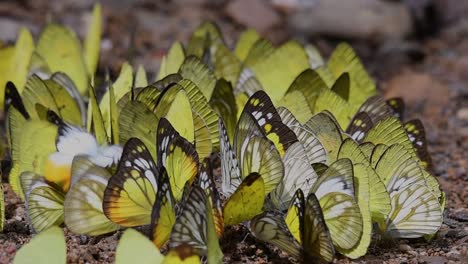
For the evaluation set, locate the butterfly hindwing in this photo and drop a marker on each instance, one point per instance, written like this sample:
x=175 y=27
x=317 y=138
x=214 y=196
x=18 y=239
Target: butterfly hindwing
x=163 y=214
x=83 y=203
x=246 y=202
x=190 y=225
x=207 y=183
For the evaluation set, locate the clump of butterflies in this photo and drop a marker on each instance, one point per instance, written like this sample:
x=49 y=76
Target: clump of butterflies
x=311 y=159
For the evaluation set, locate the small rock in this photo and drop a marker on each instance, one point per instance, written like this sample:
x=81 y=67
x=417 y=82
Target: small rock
x=360 y=19
x=453 y=255
x=258 y=14
x=462 y=114
x=412 y=252
x=405 y=248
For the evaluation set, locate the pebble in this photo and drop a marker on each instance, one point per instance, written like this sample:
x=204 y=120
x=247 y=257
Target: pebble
x=453 y=254
x=462 y=114
x=253 y=13
x=405 y=248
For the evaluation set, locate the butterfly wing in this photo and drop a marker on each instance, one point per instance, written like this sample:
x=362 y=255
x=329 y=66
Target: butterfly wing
x=298 y=174
x=190 y=226
x=269 y=121
x=163 y=215
x=359 y=126
x=271 y=228
x=130 y=194
x=246 y=202
x=207 y=183
x=380 y=200
x=40 y=246
x=181 y=162
x=316 y=239
x=415 y=130
x=231 y=174
x=44 y=204
x=314 y=149
x=137 y=120
x=83 y=202
x=328 y=132
x=135 y=247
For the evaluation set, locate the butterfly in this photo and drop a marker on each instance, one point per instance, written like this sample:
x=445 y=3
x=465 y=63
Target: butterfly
x=247 y=178
x=302 y=232
x=415 y=130
x=269 y=122
x=20 y=56
x=40 y=246
x=134 y=246
x=415 y=207
x=130 y=193
x=344 y=59
x=56 y=41
x=194 y=226
x=207 y=183
x=83 y=212
x=45 y=193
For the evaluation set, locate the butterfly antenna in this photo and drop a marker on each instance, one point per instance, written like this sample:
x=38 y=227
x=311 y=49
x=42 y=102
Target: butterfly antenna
x=245 y=237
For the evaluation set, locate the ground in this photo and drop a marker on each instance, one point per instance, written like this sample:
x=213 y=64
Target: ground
x=431 y=74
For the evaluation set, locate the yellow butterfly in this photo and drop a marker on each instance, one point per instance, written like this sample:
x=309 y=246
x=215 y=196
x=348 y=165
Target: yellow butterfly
x=302 y=233
x=40 y=246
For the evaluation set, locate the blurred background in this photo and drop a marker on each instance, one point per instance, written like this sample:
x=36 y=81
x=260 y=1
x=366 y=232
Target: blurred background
x=417 y=49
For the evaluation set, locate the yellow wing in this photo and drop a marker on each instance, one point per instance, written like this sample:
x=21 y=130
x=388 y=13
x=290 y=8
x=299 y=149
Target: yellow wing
x=246 y=202
x=135 y=247
x=271 y=228
x=171 y=62
x=40 y=246
x=178 y=156
x=61 y=50
x=83 y=203
x=93 y=41
x=163 y=215
x=131 y=192
x=174 y=105
x=44 y=203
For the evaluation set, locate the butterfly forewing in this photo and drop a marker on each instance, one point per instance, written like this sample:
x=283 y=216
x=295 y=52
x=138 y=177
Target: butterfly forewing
x=271 y=228
x=316 y=239
x=231 y=175
x=298 y=174
x=417 y=135
x=190 y=225
x=314 y=149
x=131 y=191
x=267 y=118
x=359 y=126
